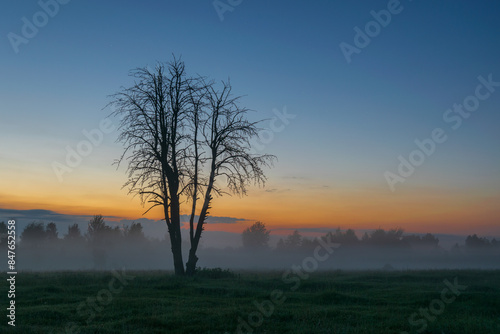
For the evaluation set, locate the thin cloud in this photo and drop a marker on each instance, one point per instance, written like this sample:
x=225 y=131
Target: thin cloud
x=225 y=220
x=295 y=177
x=151 y=227
x=274 y=190
x=43 y=215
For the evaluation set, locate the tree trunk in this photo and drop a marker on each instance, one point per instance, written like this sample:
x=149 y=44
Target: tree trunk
x=174 y=232
x=193 y=259
x=177 y=253
x=191 y=264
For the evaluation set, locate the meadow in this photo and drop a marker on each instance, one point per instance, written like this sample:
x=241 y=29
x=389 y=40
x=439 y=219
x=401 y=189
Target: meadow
x=220 y=301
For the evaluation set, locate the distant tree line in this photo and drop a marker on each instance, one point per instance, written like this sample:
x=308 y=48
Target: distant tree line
x=103 y=246
x=257 y=236
x=38 y=234
x=38 y=237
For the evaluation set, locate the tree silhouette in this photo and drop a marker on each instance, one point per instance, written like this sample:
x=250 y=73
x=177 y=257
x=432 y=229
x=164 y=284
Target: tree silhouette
x=344 y=238
x=98 y=234
x=134 y=232
x=74 y=233
x=430 y=240
x=256 y=236
x=292 y=242
x=51 y=232
x=181 y=135
x=97 y=230
x=33 y=234
x=380 y=237
x=495 y=242
x=473 y=241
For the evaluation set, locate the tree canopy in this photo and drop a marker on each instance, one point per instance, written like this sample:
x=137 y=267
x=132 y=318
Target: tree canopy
x=187 y=139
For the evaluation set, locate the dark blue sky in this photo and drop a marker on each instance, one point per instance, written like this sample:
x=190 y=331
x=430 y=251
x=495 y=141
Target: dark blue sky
x=352 y=121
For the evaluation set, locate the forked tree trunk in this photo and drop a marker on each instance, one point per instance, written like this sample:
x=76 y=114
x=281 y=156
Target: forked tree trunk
x=191 y=264
x=195 y=241
x=174 y=232
x=177 y=253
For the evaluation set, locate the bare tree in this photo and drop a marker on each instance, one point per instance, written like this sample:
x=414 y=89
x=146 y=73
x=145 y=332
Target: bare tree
x=181 y=136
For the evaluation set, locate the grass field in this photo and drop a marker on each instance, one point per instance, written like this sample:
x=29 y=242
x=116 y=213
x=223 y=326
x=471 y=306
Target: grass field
x=258 y=302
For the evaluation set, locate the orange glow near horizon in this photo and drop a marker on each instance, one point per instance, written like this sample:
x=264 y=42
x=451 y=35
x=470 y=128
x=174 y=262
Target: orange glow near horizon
x=299 y=206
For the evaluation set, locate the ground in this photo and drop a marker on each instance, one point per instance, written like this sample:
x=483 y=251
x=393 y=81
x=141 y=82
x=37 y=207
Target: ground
x=257 y=302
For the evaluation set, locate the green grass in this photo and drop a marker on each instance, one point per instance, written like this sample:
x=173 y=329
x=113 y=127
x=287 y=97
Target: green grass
x=214 y=301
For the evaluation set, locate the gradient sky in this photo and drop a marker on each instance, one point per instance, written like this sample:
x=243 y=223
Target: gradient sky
x=352 y=120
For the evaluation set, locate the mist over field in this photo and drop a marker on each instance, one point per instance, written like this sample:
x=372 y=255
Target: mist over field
x=42 y=247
